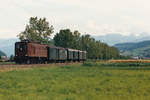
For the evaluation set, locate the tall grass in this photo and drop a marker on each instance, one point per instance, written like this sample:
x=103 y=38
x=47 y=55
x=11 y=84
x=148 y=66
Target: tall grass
x=75 y=82
x=117 y=63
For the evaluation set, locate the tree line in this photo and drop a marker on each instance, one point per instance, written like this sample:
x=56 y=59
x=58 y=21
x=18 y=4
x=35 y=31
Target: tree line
x=39 y=30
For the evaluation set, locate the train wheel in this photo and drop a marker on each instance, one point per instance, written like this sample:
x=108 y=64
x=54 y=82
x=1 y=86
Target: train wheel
x=28 y=62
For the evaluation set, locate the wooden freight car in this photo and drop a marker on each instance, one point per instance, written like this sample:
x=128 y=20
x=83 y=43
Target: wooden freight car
x=56 y=54
x=74 y=55
x=69 y=54
x=80 y=56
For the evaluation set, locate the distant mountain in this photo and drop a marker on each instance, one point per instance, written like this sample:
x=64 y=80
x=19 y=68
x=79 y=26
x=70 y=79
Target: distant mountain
x=141 y=49
x=2 y=53
x=113 y=39
x=7 y=46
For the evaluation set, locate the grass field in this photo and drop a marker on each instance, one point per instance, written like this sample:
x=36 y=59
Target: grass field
x=76 y=82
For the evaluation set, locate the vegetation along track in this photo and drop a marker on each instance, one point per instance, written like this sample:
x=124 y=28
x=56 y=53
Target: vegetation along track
x=10 y=67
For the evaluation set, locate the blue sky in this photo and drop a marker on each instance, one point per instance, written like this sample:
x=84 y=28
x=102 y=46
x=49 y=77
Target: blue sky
x=95 y=17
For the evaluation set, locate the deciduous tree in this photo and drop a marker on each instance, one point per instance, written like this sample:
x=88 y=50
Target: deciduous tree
x=64 y=39
x=38 y=30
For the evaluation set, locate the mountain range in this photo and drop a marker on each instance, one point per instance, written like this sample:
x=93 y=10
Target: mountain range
x=7 y=45
x=140 y=49
x=2 y=54
x=113 y=39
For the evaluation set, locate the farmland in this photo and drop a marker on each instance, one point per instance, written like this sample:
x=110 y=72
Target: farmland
x=90 y=81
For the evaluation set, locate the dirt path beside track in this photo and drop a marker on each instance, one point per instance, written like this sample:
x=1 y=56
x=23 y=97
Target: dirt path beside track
x=11 y=67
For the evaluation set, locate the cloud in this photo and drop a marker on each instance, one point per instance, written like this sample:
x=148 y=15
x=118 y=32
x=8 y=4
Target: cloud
x=96 y=17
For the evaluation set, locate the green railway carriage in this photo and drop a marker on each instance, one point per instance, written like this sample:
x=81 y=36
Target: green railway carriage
x=75 y=55
x=52 y=53
x=56 y=54
x=69 y=54
x=62 y=54
x=80 y=55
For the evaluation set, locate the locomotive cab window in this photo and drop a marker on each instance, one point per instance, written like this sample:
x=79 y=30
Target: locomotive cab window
x=25 y=47
x=21 y=47
x=17 y=46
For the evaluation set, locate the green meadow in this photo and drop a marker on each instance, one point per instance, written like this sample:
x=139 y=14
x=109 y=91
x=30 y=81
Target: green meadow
x=76 y=82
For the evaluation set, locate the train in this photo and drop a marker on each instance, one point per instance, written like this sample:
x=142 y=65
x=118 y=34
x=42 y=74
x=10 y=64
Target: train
x=27 y=52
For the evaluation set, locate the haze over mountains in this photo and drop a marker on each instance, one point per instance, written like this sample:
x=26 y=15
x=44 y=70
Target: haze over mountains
x=7 y=45
x=2 y=53
x=113 y=39
x=139 y=49
x=131 y=45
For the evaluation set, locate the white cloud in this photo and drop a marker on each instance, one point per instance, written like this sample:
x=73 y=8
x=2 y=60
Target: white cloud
x=96 y=17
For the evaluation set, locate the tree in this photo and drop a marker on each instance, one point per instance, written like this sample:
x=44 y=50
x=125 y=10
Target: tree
x=38 y=30
x=64 y=39
x=95 y=49
x=12 y=58
x=77 y=40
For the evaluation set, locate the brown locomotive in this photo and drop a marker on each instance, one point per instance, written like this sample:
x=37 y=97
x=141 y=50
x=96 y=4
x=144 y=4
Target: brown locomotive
x=28 y=52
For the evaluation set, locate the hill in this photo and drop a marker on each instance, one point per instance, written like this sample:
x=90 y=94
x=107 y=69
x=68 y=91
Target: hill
x=2 y=53
x=141 y=49
x=7 y=46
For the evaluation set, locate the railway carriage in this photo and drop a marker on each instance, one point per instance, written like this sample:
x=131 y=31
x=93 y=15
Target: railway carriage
x=62 y=54
x=80 y=56
x=56 y=54
x=69 y=54
x=75 y=55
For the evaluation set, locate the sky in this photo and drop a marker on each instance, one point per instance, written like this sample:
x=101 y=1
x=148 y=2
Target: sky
x=94 y=17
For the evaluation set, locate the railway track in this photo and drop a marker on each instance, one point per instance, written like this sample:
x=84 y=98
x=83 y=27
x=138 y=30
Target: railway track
x=10 y=67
